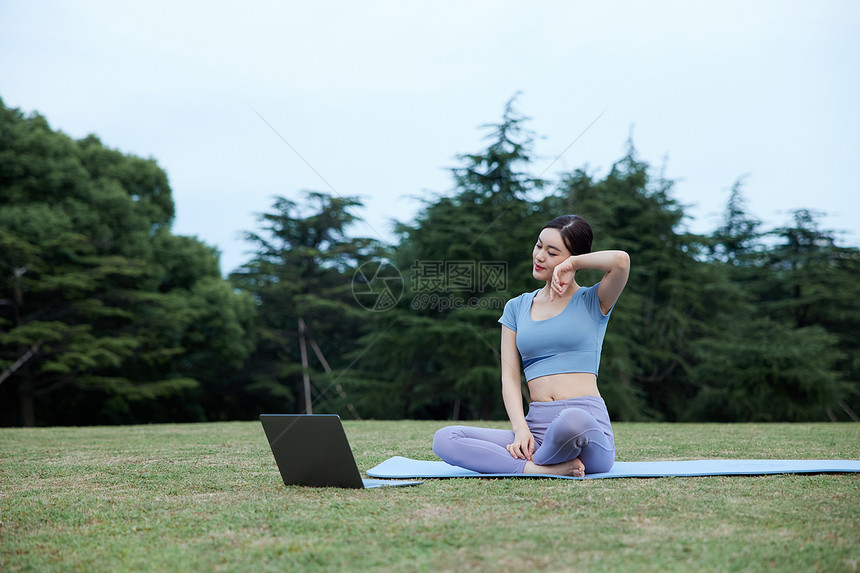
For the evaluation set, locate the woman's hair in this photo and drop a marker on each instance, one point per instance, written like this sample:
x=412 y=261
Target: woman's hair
x=575 y=232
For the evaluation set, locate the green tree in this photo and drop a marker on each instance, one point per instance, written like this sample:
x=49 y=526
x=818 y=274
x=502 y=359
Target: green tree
x=738 y=240
x=302 y=269
x=436 y=354
x=93 y=318
x=778 y=353
x=814 y=284
x=644 y=371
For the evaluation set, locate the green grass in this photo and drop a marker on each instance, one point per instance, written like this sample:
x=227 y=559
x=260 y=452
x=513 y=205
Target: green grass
x=202 y=497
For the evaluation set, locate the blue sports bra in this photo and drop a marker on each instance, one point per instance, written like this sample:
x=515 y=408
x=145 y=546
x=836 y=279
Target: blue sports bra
x=568 y=342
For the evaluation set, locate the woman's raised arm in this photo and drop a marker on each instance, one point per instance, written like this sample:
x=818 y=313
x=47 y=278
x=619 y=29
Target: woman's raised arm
x=616 y=265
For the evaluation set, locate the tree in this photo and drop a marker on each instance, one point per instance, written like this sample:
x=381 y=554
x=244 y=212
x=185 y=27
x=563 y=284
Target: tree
x=302 y=269
x=436 y=353
x=644 y=371
x=89 y=301
x=772 y=355
x=814 y=284
x=738 y=240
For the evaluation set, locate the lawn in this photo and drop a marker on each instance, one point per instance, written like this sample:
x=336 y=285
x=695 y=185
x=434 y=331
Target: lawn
x=200 y=497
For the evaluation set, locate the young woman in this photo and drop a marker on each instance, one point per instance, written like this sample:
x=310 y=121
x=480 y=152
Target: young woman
x=556 y=333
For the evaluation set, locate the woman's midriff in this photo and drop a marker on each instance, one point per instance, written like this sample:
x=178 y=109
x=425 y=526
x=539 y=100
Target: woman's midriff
x=563 y=386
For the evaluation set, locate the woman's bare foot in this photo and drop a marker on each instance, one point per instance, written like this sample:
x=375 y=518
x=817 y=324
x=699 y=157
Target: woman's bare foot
x=572 y=467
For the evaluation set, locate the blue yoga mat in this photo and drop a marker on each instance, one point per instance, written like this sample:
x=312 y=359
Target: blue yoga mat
x=400 y=468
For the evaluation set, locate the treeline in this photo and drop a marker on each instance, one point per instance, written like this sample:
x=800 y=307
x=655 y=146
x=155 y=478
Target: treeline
x=106 y=317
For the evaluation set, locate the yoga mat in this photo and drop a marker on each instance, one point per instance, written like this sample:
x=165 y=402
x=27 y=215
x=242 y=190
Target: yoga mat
x=400 y=468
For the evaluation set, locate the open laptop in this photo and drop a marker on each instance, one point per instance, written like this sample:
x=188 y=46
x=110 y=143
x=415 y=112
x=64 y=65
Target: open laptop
x=312 y=449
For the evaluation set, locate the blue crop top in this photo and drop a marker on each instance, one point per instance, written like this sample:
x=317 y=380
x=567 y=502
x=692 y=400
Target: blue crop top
x=568 y=342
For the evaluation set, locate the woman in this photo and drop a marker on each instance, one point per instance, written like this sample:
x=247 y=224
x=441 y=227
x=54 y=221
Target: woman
x=556 y=333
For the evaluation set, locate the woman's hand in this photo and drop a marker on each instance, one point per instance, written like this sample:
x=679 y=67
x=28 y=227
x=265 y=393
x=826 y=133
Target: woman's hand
x=523 y=446
x=562 y=276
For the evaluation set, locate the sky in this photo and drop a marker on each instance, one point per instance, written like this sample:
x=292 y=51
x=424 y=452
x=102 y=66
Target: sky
x=242 y=102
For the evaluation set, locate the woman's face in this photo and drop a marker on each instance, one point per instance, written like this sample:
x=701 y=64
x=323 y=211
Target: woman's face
x=549 y=251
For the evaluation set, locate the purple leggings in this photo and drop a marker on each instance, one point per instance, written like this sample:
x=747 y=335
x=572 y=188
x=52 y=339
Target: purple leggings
x=563 y=430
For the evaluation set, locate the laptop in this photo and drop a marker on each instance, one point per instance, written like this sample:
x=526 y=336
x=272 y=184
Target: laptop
x=312 y=450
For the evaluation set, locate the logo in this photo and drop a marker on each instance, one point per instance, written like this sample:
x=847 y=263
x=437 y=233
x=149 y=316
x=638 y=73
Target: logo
x=377 y=285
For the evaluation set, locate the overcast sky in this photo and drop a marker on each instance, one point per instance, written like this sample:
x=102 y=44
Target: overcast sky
x=377 y=98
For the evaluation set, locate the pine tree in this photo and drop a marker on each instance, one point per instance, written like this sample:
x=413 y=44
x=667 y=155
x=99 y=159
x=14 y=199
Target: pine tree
x=303 y=269
x=436 y=354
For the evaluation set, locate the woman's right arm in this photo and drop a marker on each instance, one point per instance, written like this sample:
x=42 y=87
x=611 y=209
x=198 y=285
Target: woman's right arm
x=523 y=445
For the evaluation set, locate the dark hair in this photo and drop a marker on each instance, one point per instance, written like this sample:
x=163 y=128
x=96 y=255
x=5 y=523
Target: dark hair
x=575 y=232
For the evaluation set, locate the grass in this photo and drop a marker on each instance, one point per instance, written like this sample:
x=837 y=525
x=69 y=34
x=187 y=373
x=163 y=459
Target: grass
x=208 y=497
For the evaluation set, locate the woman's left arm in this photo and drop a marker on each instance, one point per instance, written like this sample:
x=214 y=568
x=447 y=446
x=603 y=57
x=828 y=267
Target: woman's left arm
x=616 y=265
